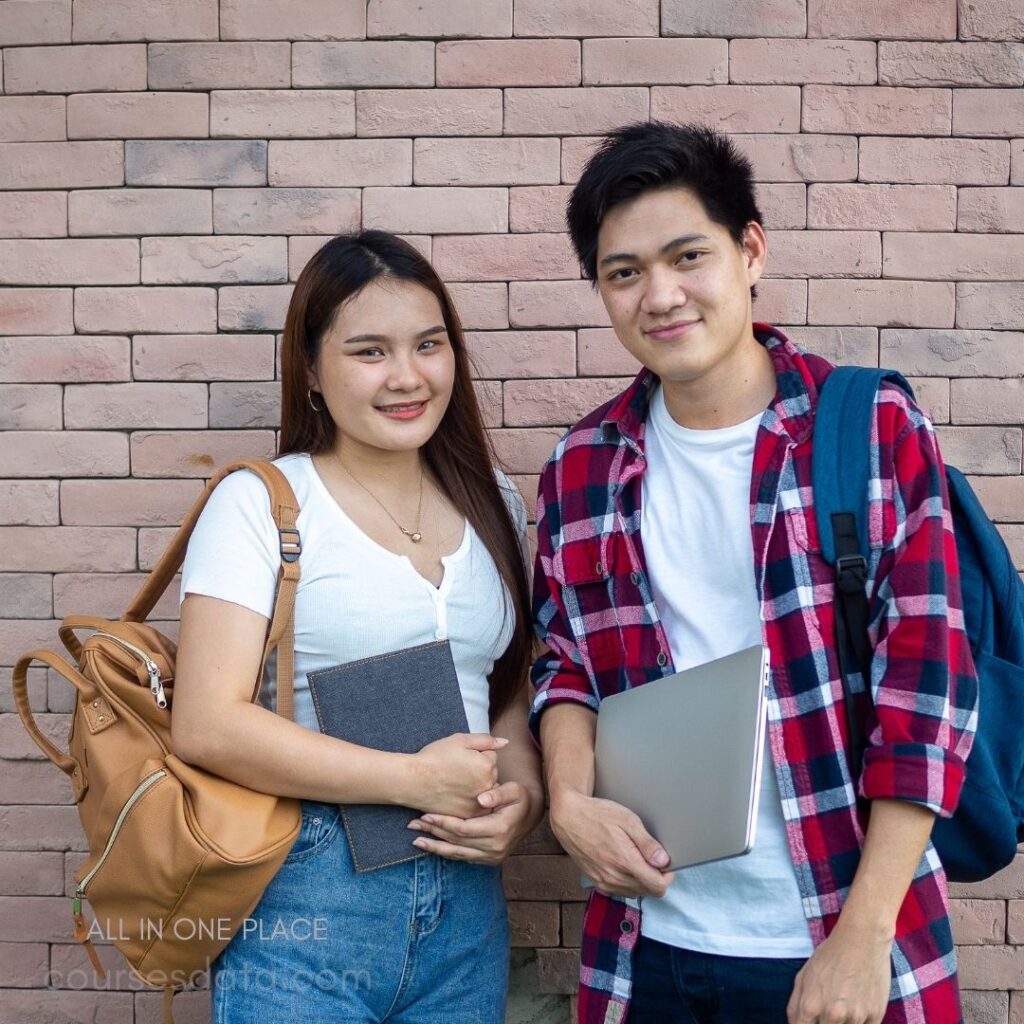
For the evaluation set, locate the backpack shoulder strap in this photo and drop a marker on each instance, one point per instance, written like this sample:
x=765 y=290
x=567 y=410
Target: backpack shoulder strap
x=840 y=471
x=841 y=452
x=284 y=507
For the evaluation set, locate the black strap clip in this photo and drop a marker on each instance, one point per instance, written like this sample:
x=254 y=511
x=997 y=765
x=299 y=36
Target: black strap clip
x=851 y=573
x=291 y=544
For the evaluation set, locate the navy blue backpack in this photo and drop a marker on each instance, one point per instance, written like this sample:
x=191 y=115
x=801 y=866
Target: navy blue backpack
x=983 y=834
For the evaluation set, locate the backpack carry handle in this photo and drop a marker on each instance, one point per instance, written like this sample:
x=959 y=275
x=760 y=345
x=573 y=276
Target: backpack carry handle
x=66 y=631
x=19 y=683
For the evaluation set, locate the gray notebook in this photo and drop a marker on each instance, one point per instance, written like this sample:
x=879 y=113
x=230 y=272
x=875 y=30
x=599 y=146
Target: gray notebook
x=398 y=702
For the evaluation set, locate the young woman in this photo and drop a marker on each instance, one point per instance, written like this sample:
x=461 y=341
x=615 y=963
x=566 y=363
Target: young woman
x=408 y=535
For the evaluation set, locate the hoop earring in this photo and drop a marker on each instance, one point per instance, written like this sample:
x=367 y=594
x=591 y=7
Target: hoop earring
x=309 y=398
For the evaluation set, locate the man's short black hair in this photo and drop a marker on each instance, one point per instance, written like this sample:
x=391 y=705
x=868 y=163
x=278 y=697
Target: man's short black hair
x=648 y=155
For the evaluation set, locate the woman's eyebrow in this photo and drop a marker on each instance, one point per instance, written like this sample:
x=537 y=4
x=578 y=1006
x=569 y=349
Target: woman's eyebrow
x=361 y=339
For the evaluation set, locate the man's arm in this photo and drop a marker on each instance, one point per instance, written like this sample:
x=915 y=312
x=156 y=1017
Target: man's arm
x=608 y=842
x=849 y=976
x=924 y=695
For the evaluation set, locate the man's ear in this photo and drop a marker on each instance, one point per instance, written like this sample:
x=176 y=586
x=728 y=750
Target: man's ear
x=755 y=248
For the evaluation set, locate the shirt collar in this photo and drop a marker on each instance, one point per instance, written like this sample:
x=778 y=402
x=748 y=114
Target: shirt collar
x=791 y=413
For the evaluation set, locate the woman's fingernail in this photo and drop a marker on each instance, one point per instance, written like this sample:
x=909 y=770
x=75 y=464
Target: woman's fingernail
x=485 y=799
x=419 y=843
x=415 y=825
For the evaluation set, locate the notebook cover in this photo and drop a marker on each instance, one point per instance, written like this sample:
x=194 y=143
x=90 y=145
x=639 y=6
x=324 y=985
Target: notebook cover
x=398 y=702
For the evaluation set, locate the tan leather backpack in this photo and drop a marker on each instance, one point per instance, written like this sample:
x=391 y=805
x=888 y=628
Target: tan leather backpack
x=178 y=857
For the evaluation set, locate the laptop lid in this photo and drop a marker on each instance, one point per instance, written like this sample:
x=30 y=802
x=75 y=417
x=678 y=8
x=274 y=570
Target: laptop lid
x=685 y=752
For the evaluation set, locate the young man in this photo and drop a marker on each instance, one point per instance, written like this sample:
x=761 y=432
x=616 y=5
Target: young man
x=675 y=526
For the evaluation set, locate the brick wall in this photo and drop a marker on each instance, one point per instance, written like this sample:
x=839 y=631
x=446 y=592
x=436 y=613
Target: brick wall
x=167 y=169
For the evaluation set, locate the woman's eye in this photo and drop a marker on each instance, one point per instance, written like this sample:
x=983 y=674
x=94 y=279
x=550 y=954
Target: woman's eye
x=370 y=352
x=429 y=344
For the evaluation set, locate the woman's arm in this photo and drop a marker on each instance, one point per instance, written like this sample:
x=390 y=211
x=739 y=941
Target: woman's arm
x=515 y=806
x=215 y=725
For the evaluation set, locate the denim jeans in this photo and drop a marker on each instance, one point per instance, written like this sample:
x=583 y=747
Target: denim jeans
x=424 y=942
x=681 y=986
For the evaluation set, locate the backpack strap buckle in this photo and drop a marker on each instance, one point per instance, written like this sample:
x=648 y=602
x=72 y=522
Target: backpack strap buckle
x=291 y=544
x=851 y=573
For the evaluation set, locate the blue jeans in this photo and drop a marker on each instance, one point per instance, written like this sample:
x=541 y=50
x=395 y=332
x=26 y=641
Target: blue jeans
x=424 y=942
x=681 y=986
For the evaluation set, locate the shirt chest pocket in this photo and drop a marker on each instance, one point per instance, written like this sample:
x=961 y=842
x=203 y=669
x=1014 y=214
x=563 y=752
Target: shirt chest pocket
x=598 y=584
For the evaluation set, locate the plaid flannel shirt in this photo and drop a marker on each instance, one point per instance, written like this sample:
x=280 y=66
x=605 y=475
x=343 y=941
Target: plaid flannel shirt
x=595 y=611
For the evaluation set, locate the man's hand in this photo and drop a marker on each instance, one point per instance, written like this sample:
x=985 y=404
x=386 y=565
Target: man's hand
x=610 y=845
x=846 y=981
x=487 y=839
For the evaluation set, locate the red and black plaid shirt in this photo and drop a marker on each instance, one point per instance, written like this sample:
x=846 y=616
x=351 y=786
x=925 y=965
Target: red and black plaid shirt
x=595 y=611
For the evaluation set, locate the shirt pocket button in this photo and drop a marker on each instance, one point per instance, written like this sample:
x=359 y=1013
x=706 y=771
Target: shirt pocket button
x=662 y=659
x=626 y=927
x=634 y=578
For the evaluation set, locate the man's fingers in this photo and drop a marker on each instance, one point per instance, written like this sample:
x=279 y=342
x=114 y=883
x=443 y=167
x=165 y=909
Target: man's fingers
x=637 y=873
x=650 y=849
x=501 y=796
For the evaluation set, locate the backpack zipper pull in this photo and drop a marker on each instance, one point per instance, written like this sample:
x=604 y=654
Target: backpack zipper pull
x=82 y=935
x=156 y=684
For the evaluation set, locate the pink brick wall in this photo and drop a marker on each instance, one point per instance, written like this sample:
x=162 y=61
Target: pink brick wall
x=167 y=169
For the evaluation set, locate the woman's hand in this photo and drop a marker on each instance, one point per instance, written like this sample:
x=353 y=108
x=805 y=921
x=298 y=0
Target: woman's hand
x=449 y=774
x=487 y=839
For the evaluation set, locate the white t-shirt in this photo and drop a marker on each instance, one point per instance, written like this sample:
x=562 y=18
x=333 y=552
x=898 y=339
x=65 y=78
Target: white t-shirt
x=695 y=525
x=355 y=598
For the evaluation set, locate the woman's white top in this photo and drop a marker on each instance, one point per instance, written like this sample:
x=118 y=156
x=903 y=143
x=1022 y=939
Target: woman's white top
x=355 y=598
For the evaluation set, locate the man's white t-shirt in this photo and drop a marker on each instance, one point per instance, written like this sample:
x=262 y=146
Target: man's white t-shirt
x=355 y=598
x=695 y=526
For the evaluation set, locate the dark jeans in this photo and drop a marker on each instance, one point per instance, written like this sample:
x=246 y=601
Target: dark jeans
x=681 y=986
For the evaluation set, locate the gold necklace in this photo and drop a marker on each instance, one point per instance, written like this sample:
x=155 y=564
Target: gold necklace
x=414 y=535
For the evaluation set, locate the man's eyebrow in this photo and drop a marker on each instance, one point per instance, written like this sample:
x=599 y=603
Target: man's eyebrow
x=615 y=257
x=361 y=339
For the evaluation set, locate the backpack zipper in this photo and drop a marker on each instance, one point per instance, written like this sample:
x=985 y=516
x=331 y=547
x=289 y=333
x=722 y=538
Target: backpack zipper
x=140 y=790
x=81 y=928
x=156 y=685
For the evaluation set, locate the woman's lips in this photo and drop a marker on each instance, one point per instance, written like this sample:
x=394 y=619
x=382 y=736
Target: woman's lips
x=407 y=411
x=673 y=331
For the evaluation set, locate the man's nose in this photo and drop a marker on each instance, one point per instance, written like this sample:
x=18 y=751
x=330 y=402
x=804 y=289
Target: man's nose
x=663 y=292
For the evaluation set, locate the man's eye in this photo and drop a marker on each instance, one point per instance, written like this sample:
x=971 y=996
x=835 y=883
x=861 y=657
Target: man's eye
x=689 y=257
x=621 y=274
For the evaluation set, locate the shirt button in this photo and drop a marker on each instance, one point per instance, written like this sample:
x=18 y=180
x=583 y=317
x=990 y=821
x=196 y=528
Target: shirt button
x=662 y=659
x=599 y=569
x=626 y=927
x=634 y=578
x=316 y=821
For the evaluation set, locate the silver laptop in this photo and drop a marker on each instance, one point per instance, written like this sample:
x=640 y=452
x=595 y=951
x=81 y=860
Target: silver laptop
x=685 y=754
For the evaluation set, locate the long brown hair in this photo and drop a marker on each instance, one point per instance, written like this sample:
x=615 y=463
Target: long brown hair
x=459 y=452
